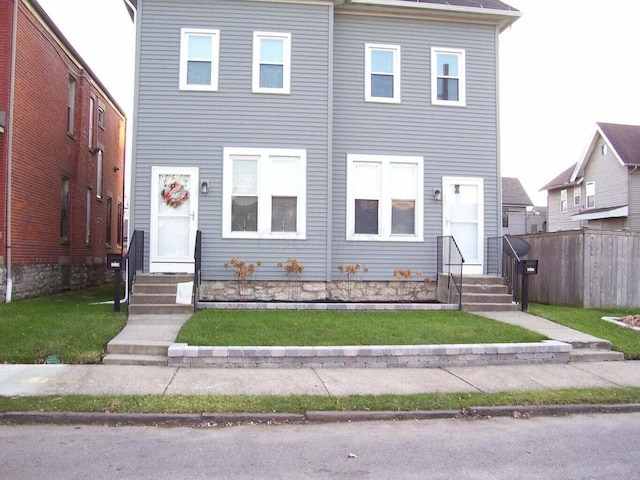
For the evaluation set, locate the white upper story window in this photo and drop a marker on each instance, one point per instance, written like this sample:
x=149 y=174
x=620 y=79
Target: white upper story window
x=271 y=62
x=448 y=79
x=199 y=58
x=382 y=73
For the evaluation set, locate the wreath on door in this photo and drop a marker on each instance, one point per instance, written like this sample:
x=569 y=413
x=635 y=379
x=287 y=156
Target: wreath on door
x=175 y=191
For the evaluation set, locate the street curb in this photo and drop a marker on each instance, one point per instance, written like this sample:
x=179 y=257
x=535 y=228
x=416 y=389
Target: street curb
x=551 y=410
x=231 y=419
x=149 y=419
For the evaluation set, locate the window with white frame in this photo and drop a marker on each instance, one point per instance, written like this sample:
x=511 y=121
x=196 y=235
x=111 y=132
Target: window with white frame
x=92 y=109
x=384 y=198
x=577 y=196
x=448 y=82
x=71 y=105
x=271 y=62
x=264 y=193
x=563 y=200
x=199 y=54
x=591 y=195
x=382 y=73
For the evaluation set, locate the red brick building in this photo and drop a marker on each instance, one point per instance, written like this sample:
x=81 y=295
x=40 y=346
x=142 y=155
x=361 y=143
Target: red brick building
x=62 y=149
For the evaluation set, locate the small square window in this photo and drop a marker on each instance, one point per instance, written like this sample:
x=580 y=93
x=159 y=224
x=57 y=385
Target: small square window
x=382 y=73
x=271 y=62
x=199 y=57
x=448 y=77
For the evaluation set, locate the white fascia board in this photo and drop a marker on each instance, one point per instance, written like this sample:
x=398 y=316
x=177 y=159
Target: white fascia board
x=504 y=18
x=615 y=213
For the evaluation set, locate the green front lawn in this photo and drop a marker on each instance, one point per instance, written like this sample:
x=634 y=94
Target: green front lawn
x=65 y=324
x=589 y=320
x=324 y=328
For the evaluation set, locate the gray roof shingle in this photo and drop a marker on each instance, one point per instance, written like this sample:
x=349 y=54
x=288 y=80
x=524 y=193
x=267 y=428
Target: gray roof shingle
x=561 y=180
x=490 y=4
x=513 y=193
x=624 y=139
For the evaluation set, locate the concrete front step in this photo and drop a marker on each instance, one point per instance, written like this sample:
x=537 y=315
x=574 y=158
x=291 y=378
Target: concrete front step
x=125 y=359
x=595 y=344
x=165 y=288
x=594 y=355
x=492 y=288
x=153 y=299
x=160 y=309
x=486 y=298
x=162 y=278
x=481 y=280
x=489 y=307
x=141 y=347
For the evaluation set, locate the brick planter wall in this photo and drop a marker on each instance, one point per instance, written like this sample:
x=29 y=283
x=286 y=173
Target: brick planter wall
x=388 y=356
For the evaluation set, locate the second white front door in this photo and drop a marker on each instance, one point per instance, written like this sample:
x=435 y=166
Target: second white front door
x=463 y=218
x=174 y=219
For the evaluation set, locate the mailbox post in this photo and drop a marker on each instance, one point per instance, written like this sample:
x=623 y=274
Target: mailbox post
x=526 y=268
x=114 y=262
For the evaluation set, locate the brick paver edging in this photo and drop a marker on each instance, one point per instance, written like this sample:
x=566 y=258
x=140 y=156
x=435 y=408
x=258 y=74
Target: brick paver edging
x=392 y=356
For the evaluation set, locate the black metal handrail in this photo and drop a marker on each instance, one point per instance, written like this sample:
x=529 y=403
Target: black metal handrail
x=450 y=262
x=502 y=259
x=135 y=258
x=197 y=258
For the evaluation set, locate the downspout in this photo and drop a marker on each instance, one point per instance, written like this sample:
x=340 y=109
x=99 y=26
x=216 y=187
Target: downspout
x=12 y=82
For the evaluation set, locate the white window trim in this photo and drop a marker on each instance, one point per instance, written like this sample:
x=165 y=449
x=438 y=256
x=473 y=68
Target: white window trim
x=264 y=193
x=589 y=186
x=462 y=77
x=286 y=60
x=384 y=211
x=563 y=200
x=368 y=48
x=577 y=196
x=185 y=33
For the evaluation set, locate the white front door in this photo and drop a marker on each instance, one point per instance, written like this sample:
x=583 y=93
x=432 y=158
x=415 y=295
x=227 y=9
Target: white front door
x=463 y=218
x=174 y=219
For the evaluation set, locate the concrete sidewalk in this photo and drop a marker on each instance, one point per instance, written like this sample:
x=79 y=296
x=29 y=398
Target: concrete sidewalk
x=33 y=380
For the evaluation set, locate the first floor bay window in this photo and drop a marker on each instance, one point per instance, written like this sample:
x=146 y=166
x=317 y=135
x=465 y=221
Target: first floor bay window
x=264 y=193
x=384 y=198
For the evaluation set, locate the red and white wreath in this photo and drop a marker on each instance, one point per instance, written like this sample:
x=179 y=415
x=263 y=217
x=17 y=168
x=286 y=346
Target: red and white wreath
x=175 y=192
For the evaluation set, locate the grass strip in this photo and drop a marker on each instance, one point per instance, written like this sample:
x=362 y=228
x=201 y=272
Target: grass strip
x=589 y=320
x=303 y=403
x=67 y=324
x=326 y=328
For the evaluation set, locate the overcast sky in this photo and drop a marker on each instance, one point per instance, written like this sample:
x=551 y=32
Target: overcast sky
x=564 y=65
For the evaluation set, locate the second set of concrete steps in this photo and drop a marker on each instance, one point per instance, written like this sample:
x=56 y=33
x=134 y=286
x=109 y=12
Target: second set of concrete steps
x=486 y=293
x=155 y=319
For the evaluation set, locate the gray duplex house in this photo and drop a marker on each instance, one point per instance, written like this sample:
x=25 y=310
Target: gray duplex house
x=327 y=131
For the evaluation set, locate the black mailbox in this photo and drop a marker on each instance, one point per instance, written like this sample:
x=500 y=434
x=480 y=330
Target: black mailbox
x=528 y=267
x=114 y=261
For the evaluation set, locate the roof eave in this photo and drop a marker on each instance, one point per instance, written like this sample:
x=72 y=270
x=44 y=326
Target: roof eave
x=502 y=18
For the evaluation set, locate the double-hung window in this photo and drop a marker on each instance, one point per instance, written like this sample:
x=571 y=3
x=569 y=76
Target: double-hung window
x=591 y=195
x=382 y=73
x=264 y=193
x=271 y=62
x=199 y=55
x=385 y=198
x=563 y=200
x=577 y=196
x=448 y=82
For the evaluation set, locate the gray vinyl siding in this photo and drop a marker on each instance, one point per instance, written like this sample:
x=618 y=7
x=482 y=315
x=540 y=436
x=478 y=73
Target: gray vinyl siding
x=454 y=141
x=610 y=178
x=187 y=128
x=517 y=221
x=557 y=220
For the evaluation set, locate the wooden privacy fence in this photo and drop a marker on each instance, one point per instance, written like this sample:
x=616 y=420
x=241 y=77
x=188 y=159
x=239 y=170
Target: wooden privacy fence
x=586 y=268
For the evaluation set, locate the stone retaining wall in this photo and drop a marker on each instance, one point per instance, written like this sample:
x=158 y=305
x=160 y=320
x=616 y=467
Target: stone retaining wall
x=305 y=291
x=45 y=279
x=389 y=356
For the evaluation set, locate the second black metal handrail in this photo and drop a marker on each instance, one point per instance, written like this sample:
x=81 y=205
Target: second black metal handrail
x=197 y=259
x=135 y=258
x=450 y=263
